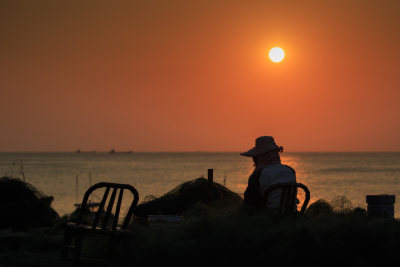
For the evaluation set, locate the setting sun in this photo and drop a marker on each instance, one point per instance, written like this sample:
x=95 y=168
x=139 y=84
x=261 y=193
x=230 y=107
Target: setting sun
x=276 y=54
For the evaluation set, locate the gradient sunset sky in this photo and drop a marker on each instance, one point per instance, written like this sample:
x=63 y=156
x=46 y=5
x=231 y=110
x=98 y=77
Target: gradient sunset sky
x=195 y=76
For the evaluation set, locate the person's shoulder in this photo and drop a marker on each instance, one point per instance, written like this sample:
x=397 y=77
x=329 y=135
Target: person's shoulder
x=277 y=173
x=289 y=168
x=279 y=166
x=281 y=169
x=275 y=169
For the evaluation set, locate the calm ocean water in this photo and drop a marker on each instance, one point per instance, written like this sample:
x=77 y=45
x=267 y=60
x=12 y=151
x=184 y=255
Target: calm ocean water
x=327 y=175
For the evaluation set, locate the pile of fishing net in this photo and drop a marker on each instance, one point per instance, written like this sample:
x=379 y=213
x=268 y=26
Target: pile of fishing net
x=22 y=205
x=340 y=205
x=184 y=196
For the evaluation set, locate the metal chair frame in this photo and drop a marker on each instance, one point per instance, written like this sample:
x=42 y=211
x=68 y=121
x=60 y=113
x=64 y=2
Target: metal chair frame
x=288 y=199
x=79 y=229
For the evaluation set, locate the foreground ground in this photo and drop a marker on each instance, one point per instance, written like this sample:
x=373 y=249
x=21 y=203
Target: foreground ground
x=225 y=234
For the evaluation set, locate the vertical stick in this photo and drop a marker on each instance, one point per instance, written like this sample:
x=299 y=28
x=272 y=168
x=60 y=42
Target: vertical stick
x=76 y=188
x=21 y=170
x=210 y=184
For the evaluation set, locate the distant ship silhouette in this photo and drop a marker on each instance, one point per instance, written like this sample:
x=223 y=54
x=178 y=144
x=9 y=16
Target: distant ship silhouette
x=112 y=151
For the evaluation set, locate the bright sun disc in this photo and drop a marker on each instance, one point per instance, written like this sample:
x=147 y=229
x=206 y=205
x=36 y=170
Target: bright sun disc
x=276 y=54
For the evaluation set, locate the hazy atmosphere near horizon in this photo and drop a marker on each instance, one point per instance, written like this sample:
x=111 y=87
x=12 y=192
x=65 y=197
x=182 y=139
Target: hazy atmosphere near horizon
x=196 y=75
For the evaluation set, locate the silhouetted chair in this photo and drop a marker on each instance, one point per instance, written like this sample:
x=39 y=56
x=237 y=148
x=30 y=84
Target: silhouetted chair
x=106 y=224
x=288 y=201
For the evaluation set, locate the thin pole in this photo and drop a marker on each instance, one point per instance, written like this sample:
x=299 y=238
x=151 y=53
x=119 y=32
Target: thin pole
x=21 y=170
x=76 y=189
x=210 y=184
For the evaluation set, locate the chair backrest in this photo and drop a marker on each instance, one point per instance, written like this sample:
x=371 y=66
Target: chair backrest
x=107 y=215
x=288 y=199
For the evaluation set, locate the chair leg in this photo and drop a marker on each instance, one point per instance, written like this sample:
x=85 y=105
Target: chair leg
x=115 y=246
x=78 y=247
x=111 y=248
x=66 y=244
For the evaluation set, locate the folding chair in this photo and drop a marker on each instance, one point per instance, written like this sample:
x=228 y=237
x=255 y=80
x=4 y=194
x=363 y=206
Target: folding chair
x=101 y=224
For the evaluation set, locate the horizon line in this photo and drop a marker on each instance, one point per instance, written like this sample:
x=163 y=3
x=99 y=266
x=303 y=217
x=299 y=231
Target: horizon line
x=197 y=151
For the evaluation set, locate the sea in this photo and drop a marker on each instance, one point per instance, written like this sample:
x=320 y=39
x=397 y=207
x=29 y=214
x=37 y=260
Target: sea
x=329 y=176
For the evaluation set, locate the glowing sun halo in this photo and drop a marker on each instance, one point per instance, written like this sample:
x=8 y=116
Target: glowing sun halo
x=276 y=54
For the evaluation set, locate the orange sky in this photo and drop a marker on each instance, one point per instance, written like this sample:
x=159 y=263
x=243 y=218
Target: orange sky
x=194 y=75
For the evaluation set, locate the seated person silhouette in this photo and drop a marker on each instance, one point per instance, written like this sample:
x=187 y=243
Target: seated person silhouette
x=268 y=171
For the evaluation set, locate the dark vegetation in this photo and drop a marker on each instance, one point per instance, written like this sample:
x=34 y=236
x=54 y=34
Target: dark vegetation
x=224 y=233
x=230 y=235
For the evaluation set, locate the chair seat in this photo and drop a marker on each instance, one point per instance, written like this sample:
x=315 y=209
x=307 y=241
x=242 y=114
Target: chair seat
x=90 y=229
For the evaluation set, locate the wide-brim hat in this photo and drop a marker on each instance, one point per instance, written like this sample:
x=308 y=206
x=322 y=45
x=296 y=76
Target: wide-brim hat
x=263 y=145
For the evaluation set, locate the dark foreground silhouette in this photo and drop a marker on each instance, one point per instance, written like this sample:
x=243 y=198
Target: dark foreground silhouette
x=224 y=233
x=22 y=205
x=183 y=197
